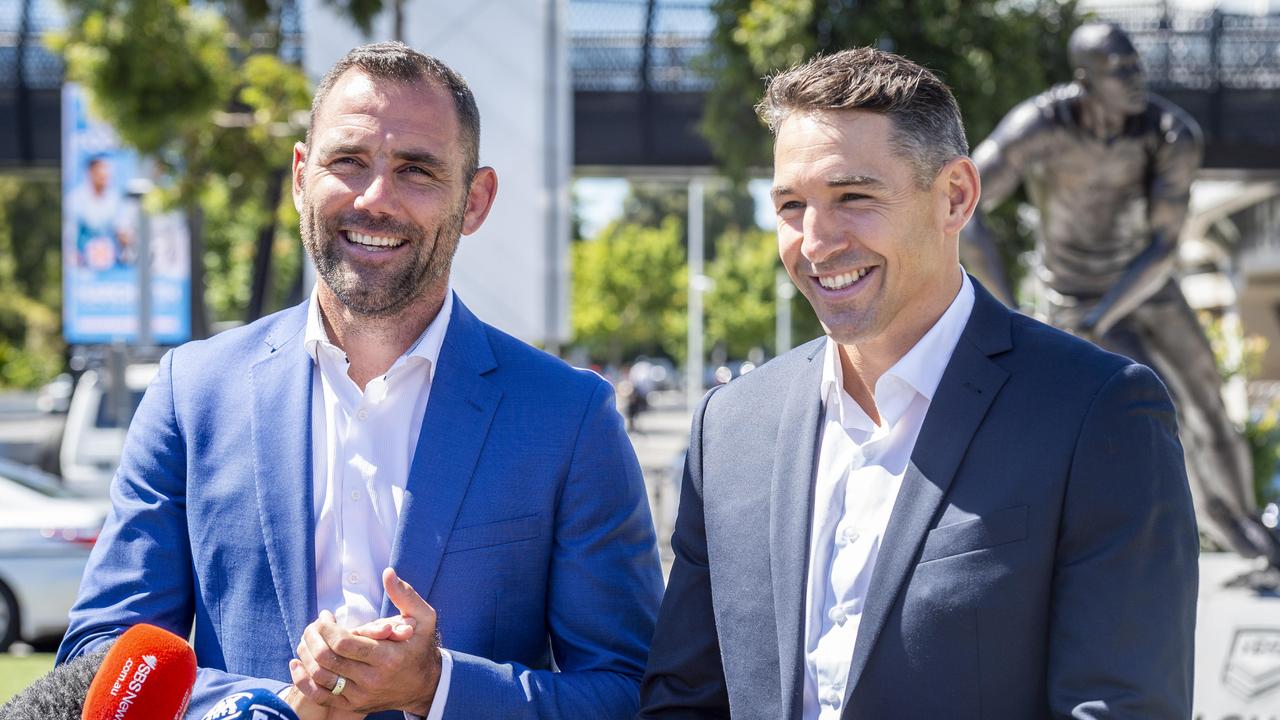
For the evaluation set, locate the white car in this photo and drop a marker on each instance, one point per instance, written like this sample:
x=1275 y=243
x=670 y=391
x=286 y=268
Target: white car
x=93 y=437
x=46 y=533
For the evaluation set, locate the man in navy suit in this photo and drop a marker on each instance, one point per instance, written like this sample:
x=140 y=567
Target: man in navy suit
x=374 y=502
x=941 y=509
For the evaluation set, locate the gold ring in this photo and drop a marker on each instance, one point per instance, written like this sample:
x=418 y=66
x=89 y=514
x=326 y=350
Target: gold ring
x=339 y=686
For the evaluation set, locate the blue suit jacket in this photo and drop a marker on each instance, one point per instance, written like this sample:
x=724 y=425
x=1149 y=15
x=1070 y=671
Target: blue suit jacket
x=525 y=523
x=1039 y=562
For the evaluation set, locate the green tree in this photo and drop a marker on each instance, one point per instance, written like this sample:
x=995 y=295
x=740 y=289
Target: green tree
x=30 y=282
x=727 y=208
x=741 y=306
x=628 y=294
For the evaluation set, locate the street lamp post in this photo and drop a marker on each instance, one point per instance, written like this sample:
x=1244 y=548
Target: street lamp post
x=697 y=285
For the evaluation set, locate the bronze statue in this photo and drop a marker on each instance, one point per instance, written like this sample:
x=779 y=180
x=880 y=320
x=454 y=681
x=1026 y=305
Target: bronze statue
x=1109 y=167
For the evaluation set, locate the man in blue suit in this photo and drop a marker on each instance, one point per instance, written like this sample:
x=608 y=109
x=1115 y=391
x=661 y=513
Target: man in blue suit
x=942 y=509
x=374 y=502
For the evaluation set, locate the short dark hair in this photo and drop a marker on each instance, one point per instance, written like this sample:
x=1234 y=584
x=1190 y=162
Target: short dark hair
x=398 y=62
x=927 y=127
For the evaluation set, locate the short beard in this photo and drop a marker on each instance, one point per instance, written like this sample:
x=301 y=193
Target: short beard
x=389 y=296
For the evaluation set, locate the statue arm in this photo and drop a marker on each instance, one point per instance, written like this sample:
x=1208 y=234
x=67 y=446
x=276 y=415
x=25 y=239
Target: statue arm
x=1000 y=160
x=1175 y=164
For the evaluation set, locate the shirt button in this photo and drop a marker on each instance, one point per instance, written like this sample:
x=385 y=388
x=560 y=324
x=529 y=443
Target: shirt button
x=834 y=699
x=355 y=496
x=850 y=535
x=837 y=615
x=363 y=415
x=353 y=578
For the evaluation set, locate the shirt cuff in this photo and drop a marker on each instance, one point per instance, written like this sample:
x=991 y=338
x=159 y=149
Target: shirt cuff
x=442 y=690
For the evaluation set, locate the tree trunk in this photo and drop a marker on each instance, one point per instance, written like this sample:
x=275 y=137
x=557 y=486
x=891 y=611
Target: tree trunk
x=199 y=308
x=261 y=288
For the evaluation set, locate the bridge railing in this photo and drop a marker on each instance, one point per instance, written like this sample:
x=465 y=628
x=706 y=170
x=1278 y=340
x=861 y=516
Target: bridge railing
x=24 y=60
x=1193 y=49
x=639 y=45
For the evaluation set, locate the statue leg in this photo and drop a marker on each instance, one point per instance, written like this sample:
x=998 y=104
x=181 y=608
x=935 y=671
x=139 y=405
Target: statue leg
x=1168 y=338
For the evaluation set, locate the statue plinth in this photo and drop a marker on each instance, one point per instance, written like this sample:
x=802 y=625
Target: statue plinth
x=1237 y=645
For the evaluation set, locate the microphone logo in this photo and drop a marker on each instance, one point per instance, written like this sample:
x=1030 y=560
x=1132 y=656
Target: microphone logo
x=134 y=688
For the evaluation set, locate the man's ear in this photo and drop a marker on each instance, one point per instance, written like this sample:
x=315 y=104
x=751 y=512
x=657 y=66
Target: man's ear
x=958 y=188
x=484 y=188
x=299 y=173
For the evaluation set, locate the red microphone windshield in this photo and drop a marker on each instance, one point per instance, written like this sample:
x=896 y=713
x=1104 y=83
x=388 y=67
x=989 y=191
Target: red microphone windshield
x=147 y=675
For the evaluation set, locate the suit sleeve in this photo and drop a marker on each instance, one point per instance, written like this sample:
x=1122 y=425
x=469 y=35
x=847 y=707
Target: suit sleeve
x=603 y=595
x=685 y=677
x=1125 y=578
x=140 y=568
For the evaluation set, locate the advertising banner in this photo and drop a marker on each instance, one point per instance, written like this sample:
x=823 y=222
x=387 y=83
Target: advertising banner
x=100 y=240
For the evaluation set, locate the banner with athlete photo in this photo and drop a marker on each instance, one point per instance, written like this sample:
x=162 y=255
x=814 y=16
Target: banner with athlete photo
x=100 y=225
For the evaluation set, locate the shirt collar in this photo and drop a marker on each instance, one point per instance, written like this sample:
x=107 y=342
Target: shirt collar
x=920 y=368
x=426 y=347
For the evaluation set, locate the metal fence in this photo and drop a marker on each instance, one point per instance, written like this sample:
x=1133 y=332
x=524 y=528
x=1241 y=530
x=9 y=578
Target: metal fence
x=1201 y=49
x=24 y=60
x=636 y=45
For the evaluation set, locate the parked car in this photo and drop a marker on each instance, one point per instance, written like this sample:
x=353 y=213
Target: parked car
x=55 y=396
x=46 y=533
x=93 y=437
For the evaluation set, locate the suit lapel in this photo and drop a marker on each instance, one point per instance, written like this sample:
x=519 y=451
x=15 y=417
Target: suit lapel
x=791 y=508
x=281 y=428
x=459 y=412
x=968 y=386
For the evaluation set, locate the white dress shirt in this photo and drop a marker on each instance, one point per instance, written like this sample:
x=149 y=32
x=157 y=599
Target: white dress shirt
x=860 y=468
x=363 y=443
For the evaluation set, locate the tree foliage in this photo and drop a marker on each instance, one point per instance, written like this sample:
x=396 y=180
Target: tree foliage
x=629 y=287
x=993 y=53
x=742 y=303
x=30 y=283
x=726 y=208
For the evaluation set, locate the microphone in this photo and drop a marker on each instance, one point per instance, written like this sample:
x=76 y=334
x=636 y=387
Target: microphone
x=59 y=694
x=257 y=704
x=147 y=675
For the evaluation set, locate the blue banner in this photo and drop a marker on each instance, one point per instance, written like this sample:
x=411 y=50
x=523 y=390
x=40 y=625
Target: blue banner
x=100 y=240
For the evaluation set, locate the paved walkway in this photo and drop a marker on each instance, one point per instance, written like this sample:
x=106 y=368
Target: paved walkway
x=660 y=437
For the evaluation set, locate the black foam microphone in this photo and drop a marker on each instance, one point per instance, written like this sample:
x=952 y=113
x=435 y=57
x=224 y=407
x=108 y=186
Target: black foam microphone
x=60 y=694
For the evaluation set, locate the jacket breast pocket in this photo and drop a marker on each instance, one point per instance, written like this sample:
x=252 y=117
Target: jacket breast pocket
x=502 y=532
x=996 y=528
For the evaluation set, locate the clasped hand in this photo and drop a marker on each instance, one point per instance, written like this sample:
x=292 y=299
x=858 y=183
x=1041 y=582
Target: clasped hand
x=389 y=664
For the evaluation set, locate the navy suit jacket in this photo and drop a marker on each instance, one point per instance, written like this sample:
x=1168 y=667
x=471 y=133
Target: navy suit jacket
x=525 y=523
x=1040 y=560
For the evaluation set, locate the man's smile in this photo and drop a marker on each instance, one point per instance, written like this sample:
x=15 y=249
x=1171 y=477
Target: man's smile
x=846 y=282
x=373 y=242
